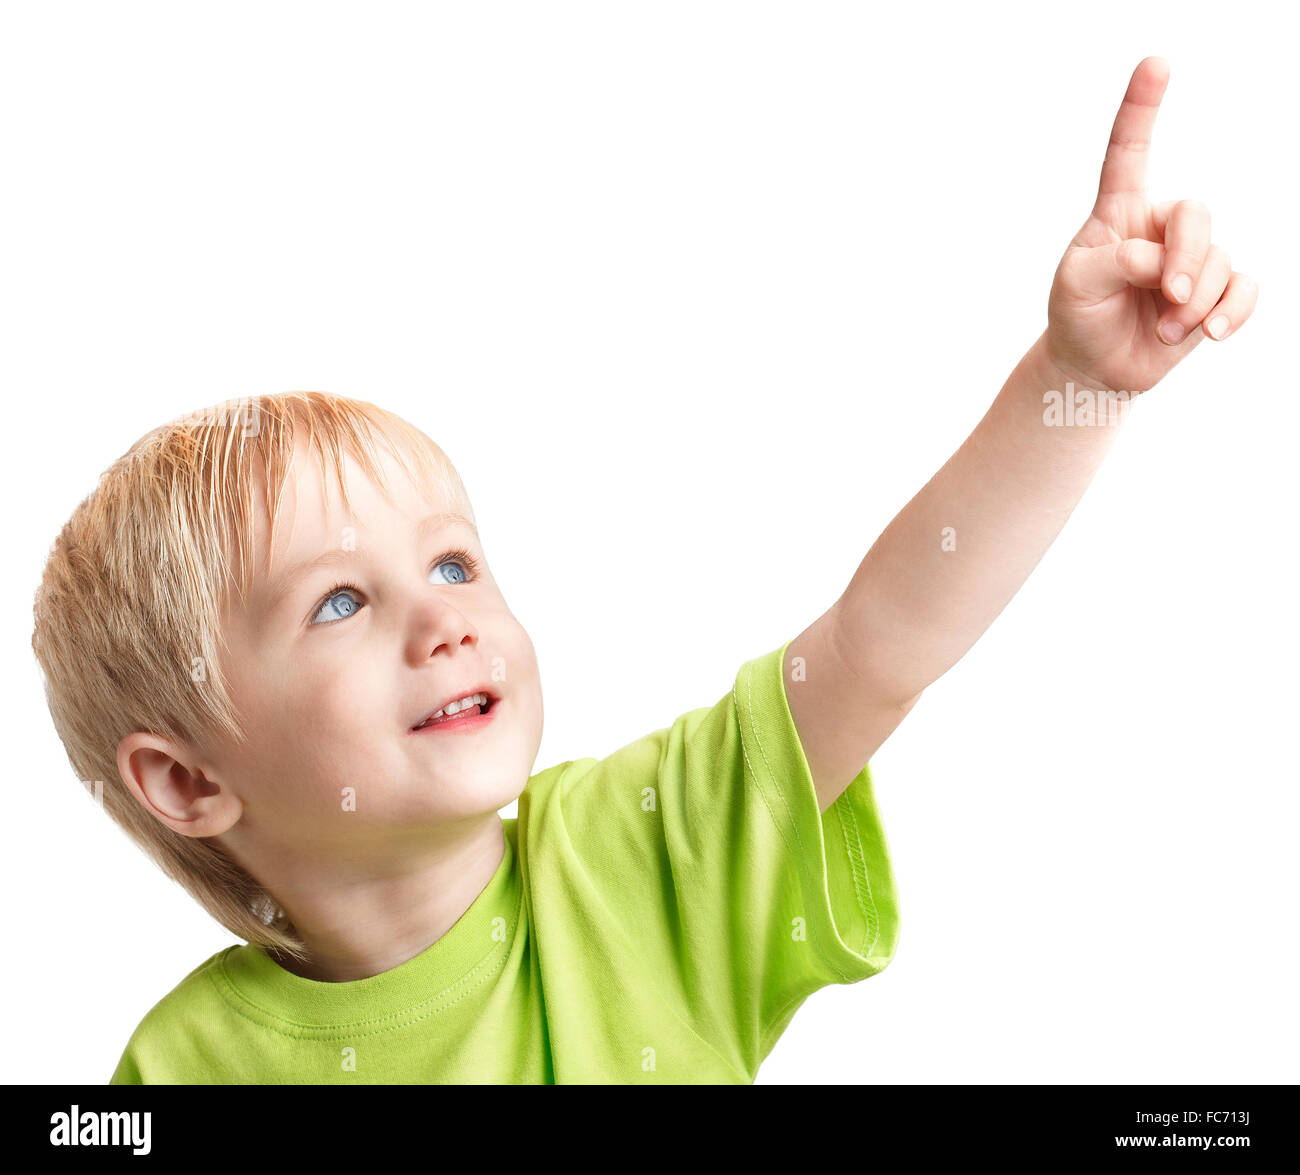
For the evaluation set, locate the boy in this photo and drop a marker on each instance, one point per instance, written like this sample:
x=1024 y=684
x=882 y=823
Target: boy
x=315 y=728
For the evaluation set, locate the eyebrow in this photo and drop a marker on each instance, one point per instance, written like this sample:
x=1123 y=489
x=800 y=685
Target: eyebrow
x=280 y=585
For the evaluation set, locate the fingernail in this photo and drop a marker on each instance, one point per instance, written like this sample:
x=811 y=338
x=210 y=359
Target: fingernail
x=1181 y=287
x=1171 y=332
x=1218 y=326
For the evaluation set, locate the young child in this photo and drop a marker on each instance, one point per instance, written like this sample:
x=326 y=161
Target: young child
x=271 y=634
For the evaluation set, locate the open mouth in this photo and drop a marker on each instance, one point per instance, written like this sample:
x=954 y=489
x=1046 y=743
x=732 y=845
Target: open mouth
x=481 y=705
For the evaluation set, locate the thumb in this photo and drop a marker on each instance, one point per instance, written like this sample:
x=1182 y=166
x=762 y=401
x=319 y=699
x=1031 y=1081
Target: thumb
x=1099 y=272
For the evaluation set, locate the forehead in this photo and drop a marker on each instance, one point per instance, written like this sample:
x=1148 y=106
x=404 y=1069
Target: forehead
x=314 y=512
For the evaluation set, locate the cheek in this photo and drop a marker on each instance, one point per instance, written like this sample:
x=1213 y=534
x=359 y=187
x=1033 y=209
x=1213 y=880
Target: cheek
x=515 y=655
x=519 y=667
x=344 y=702
x=321 y=718
x=523 y=679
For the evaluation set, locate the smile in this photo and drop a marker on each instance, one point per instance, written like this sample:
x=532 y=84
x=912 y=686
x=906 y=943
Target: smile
x=472 y=712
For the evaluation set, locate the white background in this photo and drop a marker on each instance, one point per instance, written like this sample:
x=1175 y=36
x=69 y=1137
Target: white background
x=697 y=296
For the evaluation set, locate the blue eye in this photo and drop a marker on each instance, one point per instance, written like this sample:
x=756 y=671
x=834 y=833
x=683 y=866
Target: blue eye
x=346 y=607
x=343 y=611
x=458 y=577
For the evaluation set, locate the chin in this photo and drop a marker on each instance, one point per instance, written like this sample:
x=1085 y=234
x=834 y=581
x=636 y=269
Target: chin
x=466 y=795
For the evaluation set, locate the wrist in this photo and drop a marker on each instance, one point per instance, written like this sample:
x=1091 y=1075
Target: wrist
x=1070 y=396
x=1053 y=371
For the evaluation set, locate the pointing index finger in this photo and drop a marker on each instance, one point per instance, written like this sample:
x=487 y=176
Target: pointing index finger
x=1125 y=168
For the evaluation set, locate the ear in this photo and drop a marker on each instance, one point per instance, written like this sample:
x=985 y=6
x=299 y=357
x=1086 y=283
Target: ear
x=167 y=780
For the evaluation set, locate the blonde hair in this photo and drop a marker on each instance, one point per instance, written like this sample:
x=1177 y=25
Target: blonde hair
x=128 y=626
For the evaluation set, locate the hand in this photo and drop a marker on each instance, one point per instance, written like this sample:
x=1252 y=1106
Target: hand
x=1121 y=279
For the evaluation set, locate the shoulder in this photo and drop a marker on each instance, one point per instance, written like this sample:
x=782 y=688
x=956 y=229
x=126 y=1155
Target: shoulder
x=196 y=982
x=700 y=738
x=169 y=1016
x=197 y=986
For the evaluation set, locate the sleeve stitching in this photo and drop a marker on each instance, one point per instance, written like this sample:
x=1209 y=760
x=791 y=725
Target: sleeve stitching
x=802 y=861
x=867 y=901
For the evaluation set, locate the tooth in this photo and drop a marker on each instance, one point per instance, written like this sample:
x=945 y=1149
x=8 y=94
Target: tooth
x=457 y=706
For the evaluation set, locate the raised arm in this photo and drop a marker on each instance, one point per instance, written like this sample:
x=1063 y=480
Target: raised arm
x=950 y=561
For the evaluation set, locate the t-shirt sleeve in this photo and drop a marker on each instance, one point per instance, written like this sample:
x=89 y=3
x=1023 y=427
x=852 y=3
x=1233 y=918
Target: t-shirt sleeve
x=708 y=848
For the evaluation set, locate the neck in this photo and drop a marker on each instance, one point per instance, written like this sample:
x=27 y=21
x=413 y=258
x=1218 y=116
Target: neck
x=360 y=920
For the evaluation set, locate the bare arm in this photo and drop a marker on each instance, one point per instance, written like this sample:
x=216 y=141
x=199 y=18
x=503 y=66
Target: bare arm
x=942 y=571
x=1139 y=288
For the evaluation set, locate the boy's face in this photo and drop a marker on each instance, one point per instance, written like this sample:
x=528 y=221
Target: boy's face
x=329 y=683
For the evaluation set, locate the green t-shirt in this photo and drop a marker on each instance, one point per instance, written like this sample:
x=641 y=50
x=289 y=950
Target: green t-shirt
x=658 y=918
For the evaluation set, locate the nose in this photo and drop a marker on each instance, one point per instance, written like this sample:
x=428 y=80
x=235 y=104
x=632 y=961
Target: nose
x=437 y=625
